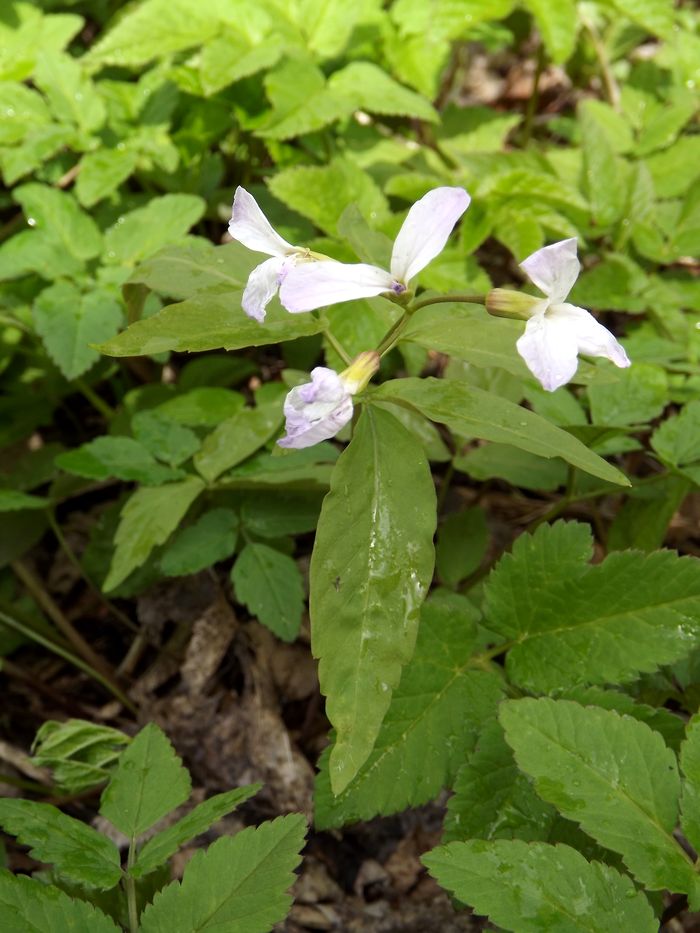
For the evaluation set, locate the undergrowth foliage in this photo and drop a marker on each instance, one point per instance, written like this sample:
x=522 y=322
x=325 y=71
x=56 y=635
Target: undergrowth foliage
x=390 y=332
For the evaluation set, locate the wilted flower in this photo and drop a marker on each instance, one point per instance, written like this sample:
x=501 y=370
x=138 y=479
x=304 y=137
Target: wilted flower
x=421 y=238
x=251 y=227
x=318 y=409
x=556 y=332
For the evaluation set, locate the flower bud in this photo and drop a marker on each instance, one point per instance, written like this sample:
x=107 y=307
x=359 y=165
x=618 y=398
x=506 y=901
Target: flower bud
x=358 y=374
x=506 y=302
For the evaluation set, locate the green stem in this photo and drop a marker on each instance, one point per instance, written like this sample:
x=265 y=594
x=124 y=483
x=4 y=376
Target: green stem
x=392 y=335
x=98 y=403
x=534 y=97
x=338 y=347
x=130 y=886
x=612 y=89
x=442 y=299
x=29 y=633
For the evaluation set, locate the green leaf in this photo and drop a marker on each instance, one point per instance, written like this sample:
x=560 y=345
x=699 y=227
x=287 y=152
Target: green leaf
x=473 y=412
x=492 y=799
x=677 y=439
x=204 y=407
x=212 y=538
x=571 y=622
x=28 y=905
x=210 y=321
x=368 y=87
x=639 y=395
x=434 y=716
x=71 y=95
x=80 y=754
x=644 y=518
x=69 y=322
x=461 y=544
x=280 y=513
x=141 y=233
x=238 y=884
x=121 y=457
x=183 y=270
x=160 y=847
x=690 y=797
x=517 y=467
x=148 y=518
x=557 y=23
x=55 y=212
x=270 y=585
x=323 y=193
x=102 y=172
x=149 y=782
x=233 y=55
x=603 y=170
x=238 y=437
x=13 y=501
x=611 y=774
x=76 y=850
x=164 y=437
x=22 y=109
x=530 y=888
x=655 y=15
x=371 y=566
x=301 y=101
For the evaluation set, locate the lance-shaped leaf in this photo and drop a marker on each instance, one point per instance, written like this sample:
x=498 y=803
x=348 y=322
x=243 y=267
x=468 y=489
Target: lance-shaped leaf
x=529 y=888
x=75 y=849
x=26 y=904
x=435 y=713
x=149 y=782
x=159 y=848
x=371 y=566
x=611 y=774
x=571 y=623
x=690 y=799
x=239 y=884
x=473 y=412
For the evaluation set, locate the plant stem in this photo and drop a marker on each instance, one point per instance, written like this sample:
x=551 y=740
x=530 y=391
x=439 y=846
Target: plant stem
x=534 y=97
x=441 y=299
x=338 y=347
x=94 y=399
x=611 y=87
x=394 y=332
x=130 y=886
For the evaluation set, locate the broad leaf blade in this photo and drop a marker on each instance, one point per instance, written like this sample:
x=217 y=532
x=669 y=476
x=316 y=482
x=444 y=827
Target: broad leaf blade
x=160 y=847
x=690 y=766
x=149 y=782
x=435 y=713
x=270 y=584
x=237 y=885
x=76 y=850
x=371 y=565
x=473 y=412
x=28 y=905
x=611 y=774
x=529 y=888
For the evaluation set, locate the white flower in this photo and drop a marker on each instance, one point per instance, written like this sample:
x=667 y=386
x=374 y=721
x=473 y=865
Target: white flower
x=557 y=331
x=251 y=227
x=318 y=409
x=421 y=238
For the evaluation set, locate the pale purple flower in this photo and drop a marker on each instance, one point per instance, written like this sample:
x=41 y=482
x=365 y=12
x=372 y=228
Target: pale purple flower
x=318 y=409
x=557 y=331
x=421 y=238
x=251 y=227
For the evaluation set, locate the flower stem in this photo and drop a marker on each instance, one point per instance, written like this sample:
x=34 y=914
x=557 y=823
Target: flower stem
x=392 y=335
x=338 y=347
x=441 y=299
x=130 y=886
x=534 y=97
x=94 y=399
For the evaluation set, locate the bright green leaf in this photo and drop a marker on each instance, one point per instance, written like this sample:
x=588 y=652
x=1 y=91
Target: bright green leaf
x=121 y=457
x=212 y=538
x=270 y=585
x=29 y=905
x=141 y=233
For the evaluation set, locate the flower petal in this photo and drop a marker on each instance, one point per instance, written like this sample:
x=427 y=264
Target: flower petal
x=251 y=227
x=554 y=269
x=313 y=285
x=425 y=230
x=549 y=348
x=263 y=284
x=316 y=410
x=592 y=338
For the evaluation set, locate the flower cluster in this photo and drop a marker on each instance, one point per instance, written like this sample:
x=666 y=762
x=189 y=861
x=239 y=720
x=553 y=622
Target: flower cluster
x=555 y=332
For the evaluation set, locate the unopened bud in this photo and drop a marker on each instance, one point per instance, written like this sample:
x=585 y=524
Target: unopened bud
x=506 y=302
x=358 y=374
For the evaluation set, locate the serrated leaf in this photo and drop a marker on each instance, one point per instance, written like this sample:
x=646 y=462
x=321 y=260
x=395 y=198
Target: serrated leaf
x=23 y=110
x=212 y=538
x=655 y=15
x=601 y=171
x=210 y=321
x=368 y=87
x=55 y=212
x=571 y=622
x=238 y=884
x=29 y=905
x=529 y=888
x=102 y=172
x=71 y=95
x=203 y=407
x=238 y=437
x=149 y=782
x=80 y=754
x=472 y=412
x=638 y=396
x=435 y=712
x=232 y=56
x=611 y=774
x=183 y=270
x=301 y=100
x=164 y=438
x=677 y=439
x=270 y=585
x=160 y=847
x=148 y=518
x=690 y=797
x=76 y=850
x=323 y=193
x=141 y=233
x=557 y=23
x=371 y=565
x=461 y=544
x=121 y=457
x=69 y=322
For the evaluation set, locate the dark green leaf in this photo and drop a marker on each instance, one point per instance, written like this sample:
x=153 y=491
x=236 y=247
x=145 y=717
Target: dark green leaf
x=270 y=585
